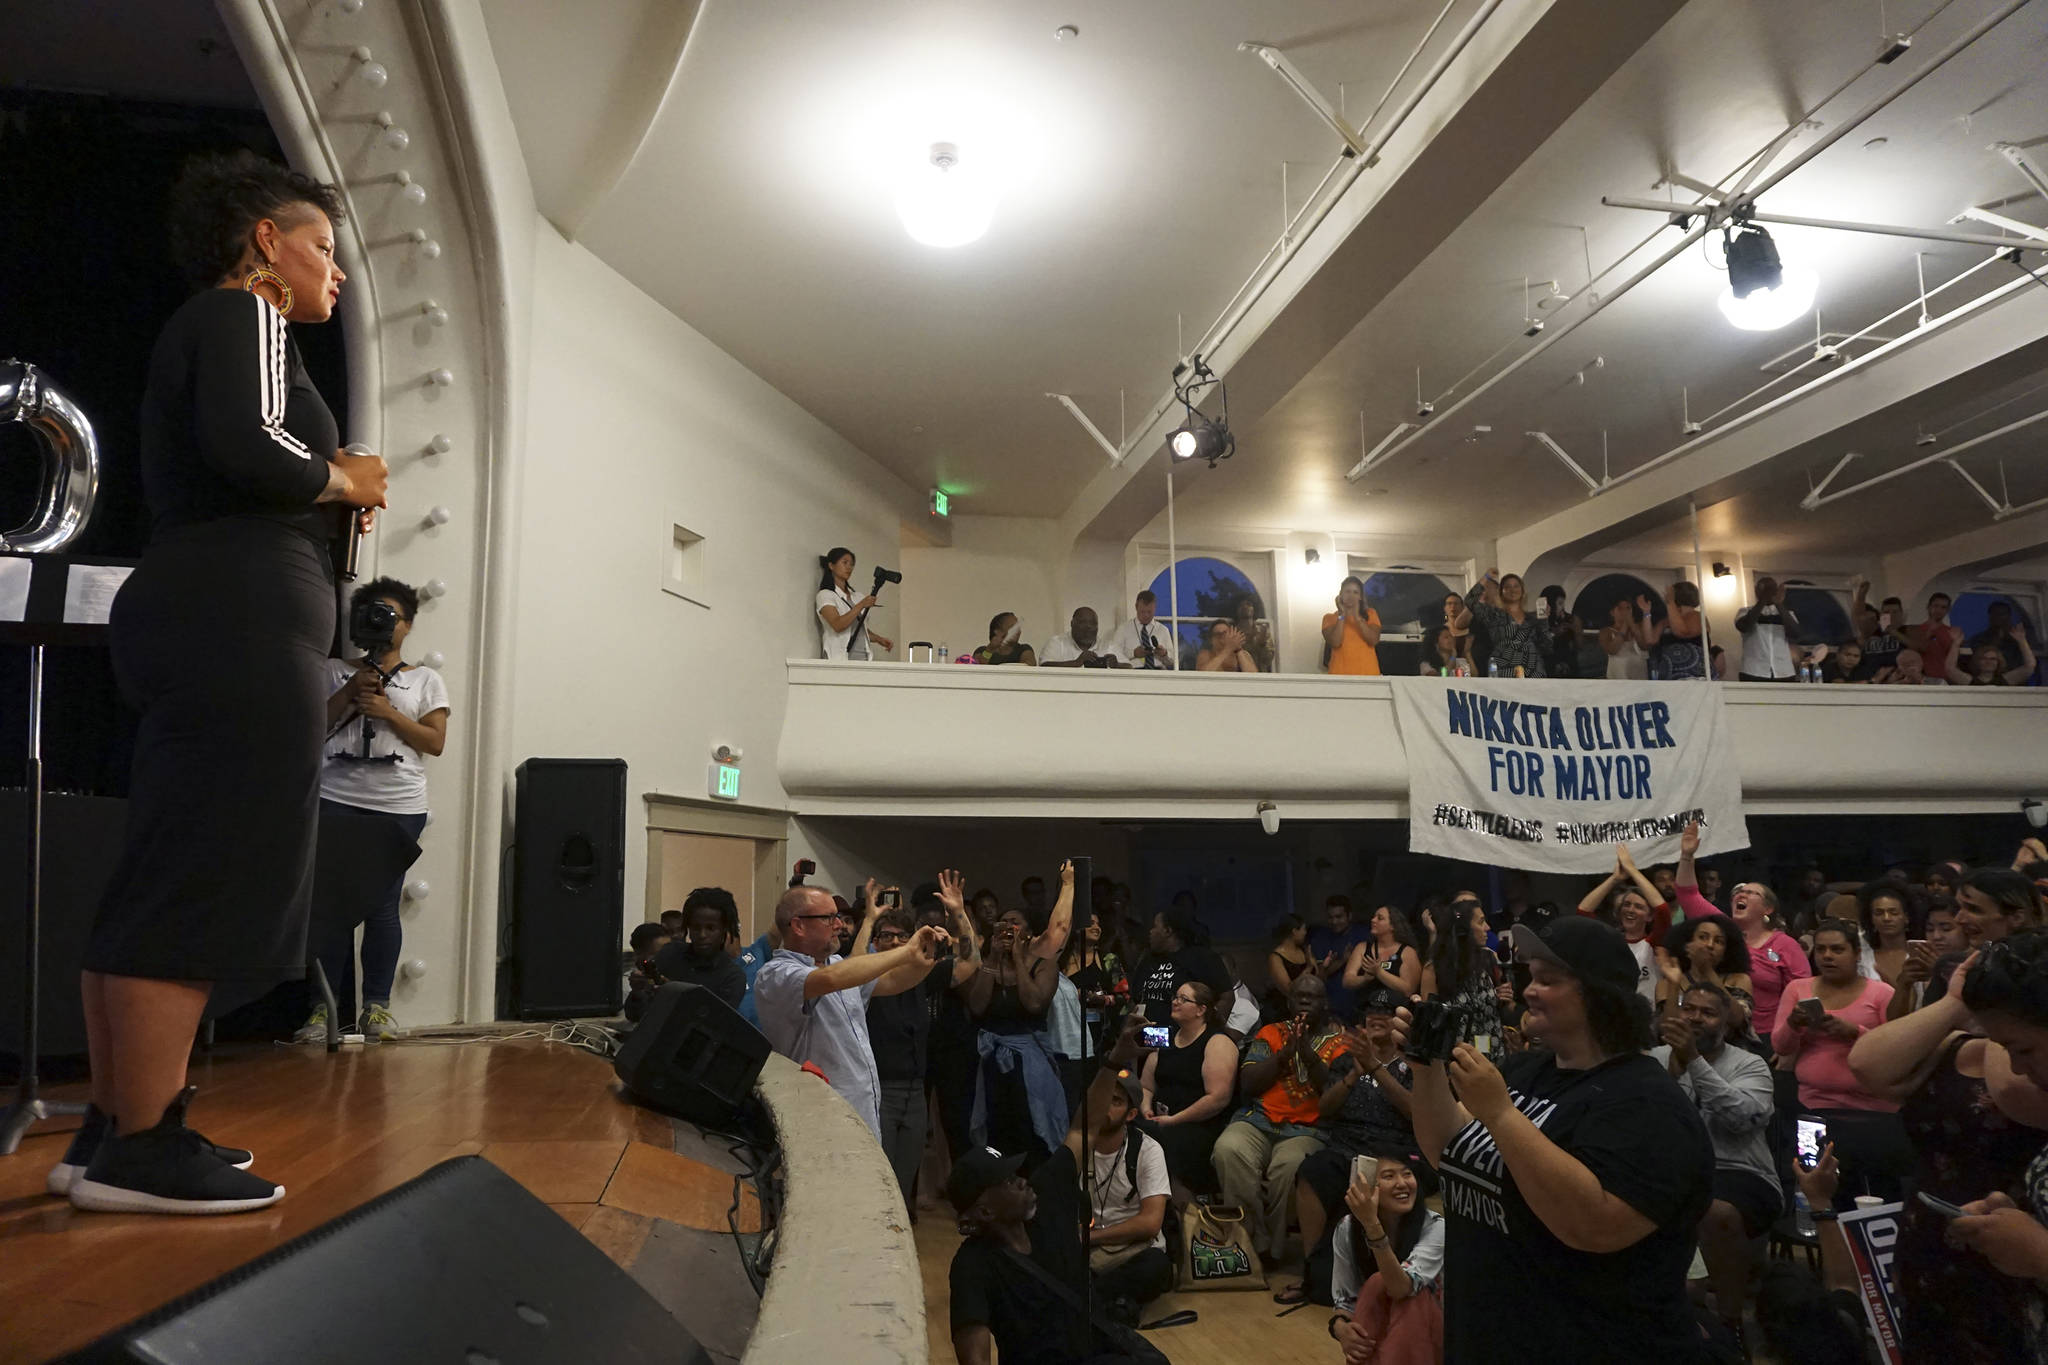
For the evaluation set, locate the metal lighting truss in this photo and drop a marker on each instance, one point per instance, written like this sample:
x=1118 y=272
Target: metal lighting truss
x=1717 y=207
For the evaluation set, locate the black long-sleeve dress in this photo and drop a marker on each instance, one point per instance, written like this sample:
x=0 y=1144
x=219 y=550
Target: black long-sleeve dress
x=220 y=639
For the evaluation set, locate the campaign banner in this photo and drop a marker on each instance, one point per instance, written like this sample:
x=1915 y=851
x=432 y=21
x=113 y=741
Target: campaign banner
x=1550 y=775
x=1872 y=1234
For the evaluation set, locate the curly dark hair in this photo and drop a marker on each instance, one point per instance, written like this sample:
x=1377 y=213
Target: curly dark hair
x=221 y=197
x=1734 y=956
x=1910 y=899
x=2011 y=977
x=719 y=899
x=1620 y=1023
x=407 y=596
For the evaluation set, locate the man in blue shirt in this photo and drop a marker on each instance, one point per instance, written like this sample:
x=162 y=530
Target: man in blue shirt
x=1329 y=947
x=751 y=958
x=813 y=1003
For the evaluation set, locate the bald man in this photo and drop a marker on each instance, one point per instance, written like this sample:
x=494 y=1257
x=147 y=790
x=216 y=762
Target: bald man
x=813 y=1003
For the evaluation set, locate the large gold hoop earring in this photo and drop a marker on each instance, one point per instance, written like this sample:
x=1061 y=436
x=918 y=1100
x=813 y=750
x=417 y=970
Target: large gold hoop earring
x=261 y=274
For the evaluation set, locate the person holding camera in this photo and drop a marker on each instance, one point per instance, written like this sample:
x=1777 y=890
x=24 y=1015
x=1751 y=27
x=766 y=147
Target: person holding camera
x=220 y=641
x=1573 y=1175
x=843 y=617
x=383 y=716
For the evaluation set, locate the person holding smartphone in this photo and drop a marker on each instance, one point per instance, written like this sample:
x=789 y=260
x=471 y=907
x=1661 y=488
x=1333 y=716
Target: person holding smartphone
x=1973 y=1103
x=1389 y=1259
x=1819 y=1019
x=1186 y=1086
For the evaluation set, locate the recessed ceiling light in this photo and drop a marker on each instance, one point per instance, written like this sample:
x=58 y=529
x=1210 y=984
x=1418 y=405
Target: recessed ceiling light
x=945 y=202
x=1065 y=33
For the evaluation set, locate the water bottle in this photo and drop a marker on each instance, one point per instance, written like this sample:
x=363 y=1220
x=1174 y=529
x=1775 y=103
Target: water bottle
x=944 y=655
x=1802 y=1214
x=1805 y=674
x=1493 y=668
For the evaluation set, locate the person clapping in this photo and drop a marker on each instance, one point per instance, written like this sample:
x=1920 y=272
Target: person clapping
x=1351 y=634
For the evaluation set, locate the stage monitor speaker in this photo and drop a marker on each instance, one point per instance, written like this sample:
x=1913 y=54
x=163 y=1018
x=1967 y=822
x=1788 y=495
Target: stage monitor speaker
x=462 y=1264
x=693 y=1056
x=568 y=894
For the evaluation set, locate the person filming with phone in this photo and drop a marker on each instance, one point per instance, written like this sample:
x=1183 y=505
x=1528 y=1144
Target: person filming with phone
x=384 y=716
x=1574 y=1175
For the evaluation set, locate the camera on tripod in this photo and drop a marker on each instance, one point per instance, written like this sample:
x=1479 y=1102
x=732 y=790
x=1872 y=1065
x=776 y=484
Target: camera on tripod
x=372 y=625
x=882 y=576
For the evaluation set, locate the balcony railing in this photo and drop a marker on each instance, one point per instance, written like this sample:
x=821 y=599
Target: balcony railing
x=931 y=739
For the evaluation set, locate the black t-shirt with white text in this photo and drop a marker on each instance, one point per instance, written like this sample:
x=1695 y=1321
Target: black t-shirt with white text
x=1160 y=976
x=1512 y=1290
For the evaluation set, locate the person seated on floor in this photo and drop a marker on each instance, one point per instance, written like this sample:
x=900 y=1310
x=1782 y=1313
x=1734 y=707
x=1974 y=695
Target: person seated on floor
x=1731 y=1087
x=1364 y=1110
x=1281 y=1077
x=1389 y=1264
x=699 y=957
x=645 y=942
x=1005 y=643
x=1128 y=1187
x=1078 y=648
x=1015 y=1285
x=1816 y=1321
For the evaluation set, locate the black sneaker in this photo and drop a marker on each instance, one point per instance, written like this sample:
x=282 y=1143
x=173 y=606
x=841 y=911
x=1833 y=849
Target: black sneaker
x=168 y=1169
x=94 y=1130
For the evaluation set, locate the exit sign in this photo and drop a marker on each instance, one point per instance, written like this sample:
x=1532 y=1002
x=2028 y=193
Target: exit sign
x=725 y=781
x=942 y=505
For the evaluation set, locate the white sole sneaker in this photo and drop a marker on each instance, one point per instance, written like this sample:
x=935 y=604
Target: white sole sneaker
x=64 y=1174
x=91 y=1195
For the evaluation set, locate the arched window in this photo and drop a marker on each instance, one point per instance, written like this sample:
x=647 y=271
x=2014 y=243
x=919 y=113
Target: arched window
x=1211 y=589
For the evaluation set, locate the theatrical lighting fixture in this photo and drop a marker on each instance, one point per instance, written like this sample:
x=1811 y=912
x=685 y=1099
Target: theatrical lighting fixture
x=1199 y=436
x=945 y=203
x=1721 y=570
x=1763 y=294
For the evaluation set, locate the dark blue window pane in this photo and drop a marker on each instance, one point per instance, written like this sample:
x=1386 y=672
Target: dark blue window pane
x=1209 y=587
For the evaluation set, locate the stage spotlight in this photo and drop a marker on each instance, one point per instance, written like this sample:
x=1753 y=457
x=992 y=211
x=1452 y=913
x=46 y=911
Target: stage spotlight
x=1752 y=261
x=1763 y=294
x=1200 y=436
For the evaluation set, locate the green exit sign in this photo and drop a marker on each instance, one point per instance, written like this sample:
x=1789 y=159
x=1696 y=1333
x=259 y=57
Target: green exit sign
x=942 y=506
x=725 y=781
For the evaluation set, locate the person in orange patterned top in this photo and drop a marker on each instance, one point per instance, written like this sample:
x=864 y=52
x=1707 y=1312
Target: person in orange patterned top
x=1286 y=1065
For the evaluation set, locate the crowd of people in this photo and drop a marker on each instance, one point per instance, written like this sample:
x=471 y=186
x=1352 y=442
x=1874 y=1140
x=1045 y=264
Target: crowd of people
x=1496 y=630
x=1479 y=1132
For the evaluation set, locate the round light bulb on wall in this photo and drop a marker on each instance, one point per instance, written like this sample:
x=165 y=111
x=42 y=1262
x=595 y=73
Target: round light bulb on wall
x=434 y=658
x=371 y=70
x=441 y=379
x=438 y=516
x=440 y=445
x=434 y=313
x=414 y=969
x=397 y=139
x=350 y=6
x=1766 y=310
x=418 y=889
x=434 y=587
x=945 y=202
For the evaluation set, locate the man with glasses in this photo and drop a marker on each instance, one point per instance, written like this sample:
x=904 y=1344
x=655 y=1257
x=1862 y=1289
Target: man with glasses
x=813 y=1003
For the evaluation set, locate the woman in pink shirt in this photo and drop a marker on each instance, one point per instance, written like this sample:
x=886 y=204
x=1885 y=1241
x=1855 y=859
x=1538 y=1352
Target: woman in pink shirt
x=1775 y=957
x=1819 y=1020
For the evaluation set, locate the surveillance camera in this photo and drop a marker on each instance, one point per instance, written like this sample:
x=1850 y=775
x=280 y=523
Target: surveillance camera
x=1269 y=817
x=2035 y=811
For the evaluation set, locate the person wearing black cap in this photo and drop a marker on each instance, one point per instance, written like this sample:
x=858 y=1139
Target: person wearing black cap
x=1016 y=1284
x=1574 y=1179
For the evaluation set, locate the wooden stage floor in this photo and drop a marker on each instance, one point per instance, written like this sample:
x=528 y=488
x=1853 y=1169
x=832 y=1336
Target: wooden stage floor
x=339 y=1130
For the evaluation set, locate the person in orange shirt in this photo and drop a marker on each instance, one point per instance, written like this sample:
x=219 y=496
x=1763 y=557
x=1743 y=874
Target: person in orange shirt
x=1352 y=633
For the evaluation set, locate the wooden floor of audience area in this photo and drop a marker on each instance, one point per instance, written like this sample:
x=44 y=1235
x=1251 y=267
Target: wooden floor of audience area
x=1236 y=1327
x=336 y=1131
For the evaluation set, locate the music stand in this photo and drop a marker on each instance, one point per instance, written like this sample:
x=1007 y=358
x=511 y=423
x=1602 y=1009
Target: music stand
x=43 y=624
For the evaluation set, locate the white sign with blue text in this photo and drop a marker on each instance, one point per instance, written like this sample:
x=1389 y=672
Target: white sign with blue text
x=1551 y=775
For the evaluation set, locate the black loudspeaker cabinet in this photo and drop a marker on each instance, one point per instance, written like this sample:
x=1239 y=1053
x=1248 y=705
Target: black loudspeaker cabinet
x=461 y=1264
x=81 y=845
x=561 y=957
x=692 y=1055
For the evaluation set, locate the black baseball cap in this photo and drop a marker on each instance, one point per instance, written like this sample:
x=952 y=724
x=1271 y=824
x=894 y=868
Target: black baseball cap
x=976 y=1172
x=1590 y=949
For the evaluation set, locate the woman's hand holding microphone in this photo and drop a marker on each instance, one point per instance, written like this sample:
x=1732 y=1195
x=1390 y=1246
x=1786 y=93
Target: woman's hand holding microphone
x=365 y=480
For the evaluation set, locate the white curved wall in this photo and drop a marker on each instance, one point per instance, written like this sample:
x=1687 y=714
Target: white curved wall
x=958 y=741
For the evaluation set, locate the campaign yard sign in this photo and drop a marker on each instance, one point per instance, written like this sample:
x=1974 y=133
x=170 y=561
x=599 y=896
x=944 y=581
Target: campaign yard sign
x=1550 y=775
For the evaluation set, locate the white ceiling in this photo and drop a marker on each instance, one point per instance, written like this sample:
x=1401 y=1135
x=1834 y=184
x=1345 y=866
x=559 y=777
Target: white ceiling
x=1142 y=166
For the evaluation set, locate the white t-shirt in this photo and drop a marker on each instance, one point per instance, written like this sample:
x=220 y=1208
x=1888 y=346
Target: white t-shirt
x=1244 y=1012
x=1646 y=970
x=1125 y=644
x=1061 y=649
x=1109 y=1182
x=1424 y=1263
x=835 y=640
x=398 y=788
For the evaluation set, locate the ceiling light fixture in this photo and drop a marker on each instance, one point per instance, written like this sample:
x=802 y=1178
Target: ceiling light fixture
x=1763 y=294
x=1199 y=436
x=945 y=204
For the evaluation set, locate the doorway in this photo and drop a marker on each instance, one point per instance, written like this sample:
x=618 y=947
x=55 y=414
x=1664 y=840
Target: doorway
x=693 y=842
x=689 y=861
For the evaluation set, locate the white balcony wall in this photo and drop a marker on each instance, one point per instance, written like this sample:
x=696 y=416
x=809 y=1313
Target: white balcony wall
x=956 y=742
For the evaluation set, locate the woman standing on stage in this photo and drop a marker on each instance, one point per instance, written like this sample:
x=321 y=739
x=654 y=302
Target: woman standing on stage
x=220 y=640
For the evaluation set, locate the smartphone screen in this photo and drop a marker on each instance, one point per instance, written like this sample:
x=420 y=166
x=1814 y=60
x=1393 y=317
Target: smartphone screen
x=1155 y=1036
x=1809 y=1141
x=1365 y=1168
x=1940 y=1206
